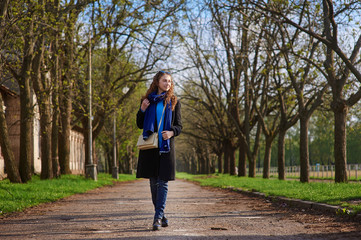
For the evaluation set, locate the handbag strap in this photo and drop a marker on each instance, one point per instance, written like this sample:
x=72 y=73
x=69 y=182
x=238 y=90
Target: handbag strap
x=160 y=121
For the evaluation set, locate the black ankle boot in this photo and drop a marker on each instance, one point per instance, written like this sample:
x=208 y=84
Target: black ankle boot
x=156 y=224
x=164 y=222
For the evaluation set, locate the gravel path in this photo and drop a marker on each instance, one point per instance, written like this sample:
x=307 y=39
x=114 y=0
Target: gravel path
x=125 y=211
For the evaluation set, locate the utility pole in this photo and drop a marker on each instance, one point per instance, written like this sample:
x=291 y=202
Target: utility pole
x=91 y=168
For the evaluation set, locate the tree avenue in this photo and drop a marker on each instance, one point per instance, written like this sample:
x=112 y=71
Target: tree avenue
x=295 y=57
x=44 y=45
x=257 y=79
x=339 y=65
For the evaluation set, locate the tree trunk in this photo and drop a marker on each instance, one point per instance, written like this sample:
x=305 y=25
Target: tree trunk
x=55 y=139
x=26 y=108
x=201 y=161
x=45 y=129
x=66 y=93
x=26 y=115
x=208 y=161
x=204 y=164
x=55 y=127
x=267 y=157
x=340 y=110
x=109 y=160
x=41 y=88
x=226 y=167
x=338 y=104
x=45 y=136
x=194 y=164
x=252 y=166
x=304 y=155
x=281 y=154
x=55 y=100
x=252 y=158
x=12 y=170
x=64 y=139
x=242 y=159
x=220 y=162
x=232 y=160
x=188 y=164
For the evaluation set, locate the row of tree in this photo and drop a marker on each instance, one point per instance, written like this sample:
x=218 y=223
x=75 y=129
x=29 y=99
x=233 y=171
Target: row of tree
x=192 y=157
x=260 y=67
x=45 y=46
x=249 y=71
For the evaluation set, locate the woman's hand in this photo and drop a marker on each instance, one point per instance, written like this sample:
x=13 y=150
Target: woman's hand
x=145 y=104
x=167 y=134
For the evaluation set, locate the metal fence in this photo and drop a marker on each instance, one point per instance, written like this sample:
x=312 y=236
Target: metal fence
x=317 y=171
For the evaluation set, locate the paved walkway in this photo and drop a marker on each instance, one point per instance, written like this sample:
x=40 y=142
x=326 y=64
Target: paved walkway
x=125 y=211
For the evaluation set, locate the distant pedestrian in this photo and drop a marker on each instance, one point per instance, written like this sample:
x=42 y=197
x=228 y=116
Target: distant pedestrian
x=158 y=164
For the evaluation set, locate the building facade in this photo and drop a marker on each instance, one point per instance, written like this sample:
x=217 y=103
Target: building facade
x=12 y=114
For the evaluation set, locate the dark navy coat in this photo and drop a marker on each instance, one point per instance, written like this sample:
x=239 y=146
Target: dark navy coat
x=150 y=163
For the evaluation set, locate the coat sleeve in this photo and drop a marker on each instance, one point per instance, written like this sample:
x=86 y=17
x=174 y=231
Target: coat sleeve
x=140 y=118
x=177 y=124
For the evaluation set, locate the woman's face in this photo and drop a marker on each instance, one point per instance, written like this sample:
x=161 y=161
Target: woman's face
x=164 y=83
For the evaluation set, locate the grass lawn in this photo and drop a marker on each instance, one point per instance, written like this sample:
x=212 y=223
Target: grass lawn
x=17 y=197
x=347 y=195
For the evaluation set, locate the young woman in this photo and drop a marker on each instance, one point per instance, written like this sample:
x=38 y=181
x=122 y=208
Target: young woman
x=159 y=164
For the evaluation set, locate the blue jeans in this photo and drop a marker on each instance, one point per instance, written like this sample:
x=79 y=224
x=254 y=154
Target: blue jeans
x=159 y=190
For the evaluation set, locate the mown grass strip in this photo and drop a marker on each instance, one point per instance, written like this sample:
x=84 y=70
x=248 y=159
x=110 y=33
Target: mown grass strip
x=352 y=178
x=17 y=197
x=341 y=194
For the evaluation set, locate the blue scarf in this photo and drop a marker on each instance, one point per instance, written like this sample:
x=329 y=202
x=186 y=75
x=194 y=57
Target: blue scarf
x=150 y=116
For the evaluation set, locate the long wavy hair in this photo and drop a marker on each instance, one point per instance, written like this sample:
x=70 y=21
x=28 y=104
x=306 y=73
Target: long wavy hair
x=169 y=95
